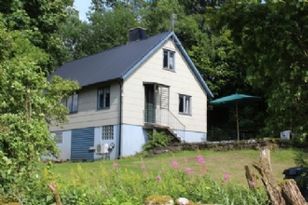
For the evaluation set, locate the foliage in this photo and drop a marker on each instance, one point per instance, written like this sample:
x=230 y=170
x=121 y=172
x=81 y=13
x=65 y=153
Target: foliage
x=28 y=101
x=106 y=29
x=273 y=43
x=75 y=36
x=301 y=158
x=40 y=22
x=156 y=140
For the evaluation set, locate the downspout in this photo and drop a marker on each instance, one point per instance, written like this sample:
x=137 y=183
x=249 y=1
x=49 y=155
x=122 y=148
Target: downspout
x=120 y=120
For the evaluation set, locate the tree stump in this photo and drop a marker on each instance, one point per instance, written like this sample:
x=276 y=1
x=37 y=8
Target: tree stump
x=291 y=193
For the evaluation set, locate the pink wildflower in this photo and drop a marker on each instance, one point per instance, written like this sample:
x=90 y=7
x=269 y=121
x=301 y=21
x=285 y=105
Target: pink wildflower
x=200 y=159
x=174 y=164
x=158 y=178
x=188 y=170
x=226 y=177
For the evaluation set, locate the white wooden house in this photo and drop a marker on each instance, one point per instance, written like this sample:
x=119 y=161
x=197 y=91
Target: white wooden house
x=148 y=83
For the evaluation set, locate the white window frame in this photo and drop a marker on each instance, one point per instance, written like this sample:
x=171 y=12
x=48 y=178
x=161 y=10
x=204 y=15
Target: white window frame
x=186 y=105
x=71 y=103
x=107 y=132
x=170 y=59
x=103 y=91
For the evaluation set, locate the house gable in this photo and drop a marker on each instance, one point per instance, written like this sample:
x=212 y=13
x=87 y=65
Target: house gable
x=179 y=46
x=181 y=81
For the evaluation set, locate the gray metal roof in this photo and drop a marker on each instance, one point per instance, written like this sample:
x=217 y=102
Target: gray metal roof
x=110 y=64
x=120 y=62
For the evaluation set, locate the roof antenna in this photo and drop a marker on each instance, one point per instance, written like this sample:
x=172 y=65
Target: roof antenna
x=173 y=21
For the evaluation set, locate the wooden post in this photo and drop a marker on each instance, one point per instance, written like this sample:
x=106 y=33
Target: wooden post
x=285 y=194
x=265 y=170
x=251 y=178
x=291 y=193
x=265 y=158
x=53 y=188
x=237 y=122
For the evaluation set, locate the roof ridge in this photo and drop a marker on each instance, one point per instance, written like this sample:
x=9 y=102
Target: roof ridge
x=115 y=47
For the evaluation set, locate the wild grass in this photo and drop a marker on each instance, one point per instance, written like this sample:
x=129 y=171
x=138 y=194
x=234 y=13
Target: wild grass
x=202 y=176
x=217 y=164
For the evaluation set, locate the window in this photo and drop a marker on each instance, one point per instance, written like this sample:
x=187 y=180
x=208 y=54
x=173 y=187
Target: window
x=168 y=61
x=58 y=137
x=185 y=104
x=72 y=103
x=107 y=132
x=103 y=98
x=164 y=96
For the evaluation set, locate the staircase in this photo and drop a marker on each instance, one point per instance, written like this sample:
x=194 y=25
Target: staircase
x=166 y=121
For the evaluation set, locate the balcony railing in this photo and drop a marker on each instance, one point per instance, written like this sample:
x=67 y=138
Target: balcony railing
x=165 y=118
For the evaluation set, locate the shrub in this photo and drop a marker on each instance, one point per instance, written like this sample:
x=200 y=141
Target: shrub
x=156 y=140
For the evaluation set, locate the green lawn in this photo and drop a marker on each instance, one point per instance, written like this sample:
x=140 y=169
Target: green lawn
x=217 y=164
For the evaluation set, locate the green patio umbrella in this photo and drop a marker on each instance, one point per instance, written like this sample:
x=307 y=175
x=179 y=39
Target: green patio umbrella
x=235 y=99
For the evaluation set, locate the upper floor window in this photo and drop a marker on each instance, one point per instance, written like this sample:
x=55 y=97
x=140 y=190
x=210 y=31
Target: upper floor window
x=168 y=61
x=185 y=104
x=72 y=103
x=103 y=98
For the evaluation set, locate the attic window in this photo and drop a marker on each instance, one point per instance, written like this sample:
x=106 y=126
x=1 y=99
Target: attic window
x=168 y=61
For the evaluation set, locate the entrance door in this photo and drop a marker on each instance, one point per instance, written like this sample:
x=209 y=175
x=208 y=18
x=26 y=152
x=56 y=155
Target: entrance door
x=149 y=110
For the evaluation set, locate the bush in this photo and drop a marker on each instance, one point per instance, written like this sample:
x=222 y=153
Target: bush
x=156 y=140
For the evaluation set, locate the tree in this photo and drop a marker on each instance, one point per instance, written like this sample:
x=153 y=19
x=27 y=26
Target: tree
x=109 y=28
x=28 y=101
x=40 y=20
x=75 y=35
x=106 y=29
x=272 y=37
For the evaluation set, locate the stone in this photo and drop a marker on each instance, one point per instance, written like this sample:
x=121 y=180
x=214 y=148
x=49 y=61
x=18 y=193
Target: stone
x=159 y=200
x=182 y=201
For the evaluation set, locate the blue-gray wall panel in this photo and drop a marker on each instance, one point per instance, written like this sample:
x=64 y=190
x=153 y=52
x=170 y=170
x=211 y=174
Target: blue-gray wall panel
x=82 y=140
x=133 y=138
x=192 y=136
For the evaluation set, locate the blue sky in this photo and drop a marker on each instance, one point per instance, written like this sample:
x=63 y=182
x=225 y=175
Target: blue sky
x=82 y=6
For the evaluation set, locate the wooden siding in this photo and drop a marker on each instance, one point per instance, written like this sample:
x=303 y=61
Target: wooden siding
x=88 y=115
x=182 y=81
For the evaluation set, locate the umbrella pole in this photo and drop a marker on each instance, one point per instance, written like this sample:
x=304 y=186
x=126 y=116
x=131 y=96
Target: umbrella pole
x=237 y=122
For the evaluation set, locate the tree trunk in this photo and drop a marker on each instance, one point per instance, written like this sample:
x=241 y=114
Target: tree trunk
x=291 y=193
